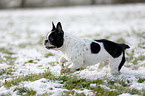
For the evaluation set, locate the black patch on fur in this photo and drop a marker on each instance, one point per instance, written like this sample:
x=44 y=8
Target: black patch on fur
x=114 y=49
x=95 y=47
x=56 y=38
x=122 y=62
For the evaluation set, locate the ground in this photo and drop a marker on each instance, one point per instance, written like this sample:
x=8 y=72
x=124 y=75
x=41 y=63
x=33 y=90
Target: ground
x=28 y=68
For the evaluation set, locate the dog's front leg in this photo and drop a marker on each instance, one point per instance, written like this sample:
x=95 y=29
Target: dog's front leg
x=62 y=60
x=63 y=68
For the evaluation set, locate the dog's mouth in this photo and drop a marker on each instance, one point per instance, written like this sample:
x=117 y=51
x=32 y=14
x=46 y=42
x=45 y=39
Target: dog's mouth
x=50 y=47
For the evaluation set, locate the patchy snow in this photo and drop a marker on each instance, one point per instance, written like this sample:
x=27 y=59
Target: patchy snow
x=44 y=86
x=23 y=30
x=127 y=94
x=85 y=91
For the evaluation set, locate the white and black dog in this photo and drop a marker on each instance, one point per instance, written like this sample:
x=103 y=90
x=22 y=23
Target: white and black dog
x=85 y=52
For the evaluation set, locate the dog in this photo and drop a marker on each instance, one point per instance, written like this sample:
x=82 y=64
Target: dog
x=85 y=52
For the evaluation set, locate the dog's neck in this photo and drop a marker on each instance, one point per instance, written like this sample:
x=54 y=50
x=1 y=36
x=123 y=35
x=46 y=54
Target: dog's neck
x=69 y=40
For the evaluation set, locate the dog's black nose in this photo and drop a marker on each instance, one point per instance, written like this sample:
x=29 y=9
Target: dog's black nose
x=45 y=42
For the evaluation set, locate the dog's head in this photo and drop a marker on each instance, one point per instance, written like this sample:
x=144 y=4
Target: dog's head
x=55 y=38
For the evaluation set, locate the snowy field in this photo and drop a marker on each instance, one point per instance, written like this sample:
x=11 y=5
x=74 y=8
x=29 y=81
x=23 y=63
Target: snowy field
x=27 y=68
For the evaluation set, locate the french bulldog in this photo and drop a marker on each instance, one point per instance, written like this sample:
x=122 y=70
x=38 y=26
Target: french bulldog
x=85 y=52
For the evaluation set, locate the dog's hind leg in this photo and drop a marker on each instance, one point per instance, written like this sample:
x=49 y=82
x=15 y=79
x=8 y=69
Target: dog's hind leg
x=122 y=62
x=114 y=65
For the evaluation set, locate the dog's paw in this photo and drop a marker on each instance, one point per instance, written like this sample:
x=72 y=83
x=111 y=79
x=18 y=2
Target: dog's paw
x=64 y=70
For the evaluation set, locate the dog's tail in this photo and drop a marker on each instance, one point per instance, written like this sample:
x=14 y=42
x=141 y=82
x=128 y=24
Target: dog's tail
x=124 y=46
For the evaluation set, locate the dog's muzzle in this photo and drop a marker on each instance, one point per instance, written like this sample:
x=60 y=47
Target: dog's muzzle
x=48 y=45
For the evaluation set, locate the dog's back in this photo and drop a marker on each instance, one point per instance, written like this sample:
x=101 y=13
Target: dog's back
x=114 y=49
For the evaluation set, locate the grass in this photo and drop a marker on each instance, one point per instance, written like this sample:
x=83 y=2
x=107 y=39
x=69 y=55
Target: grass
x=116 y=86
x=33 y=77
x=7 y=56
x=72 y=93
x=73 y=82
x=24 y=91
x=7 y=71
x=53 y=63
x=141 y=80
x=98 y=90
x=46 y=94
x=6 y=51
x=48 y=54
x=29 y=77
x=135 y=60
x=121 y=40
x=32 y=61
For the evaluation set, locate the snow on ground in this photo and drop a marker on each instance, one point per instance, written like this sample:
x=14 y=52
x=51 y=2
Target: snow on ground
x=22 y=32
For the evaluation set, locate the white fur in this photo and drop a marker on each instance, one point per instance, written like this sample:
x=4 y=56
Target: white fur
x=78 y=52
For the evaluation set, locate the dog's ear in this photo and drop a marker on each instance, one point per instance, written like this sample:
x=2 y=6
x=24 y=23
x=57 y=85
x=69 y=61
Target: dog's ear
x=59 y=27
x=53 y=26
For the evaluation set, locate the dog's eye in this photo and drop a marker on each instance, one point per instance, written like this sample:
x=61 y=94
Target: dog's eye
x=51 y=39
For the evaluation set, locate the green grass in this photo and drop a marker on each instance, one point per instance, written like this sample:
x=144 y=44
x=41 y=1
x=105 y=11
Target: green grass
x=135 y=61
x=75 y=83
x=116 y=86
x=6 y=51
x=32 y=61
x=7 y=71
x=72 y=93
x=33 y=77
x=29 y=77
x=121 y=40
x=53 y=63
x=48 y=54
x=45 y=94
x=98 y=90
x=24 y=91
x=7 y=56
x=141 y=80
